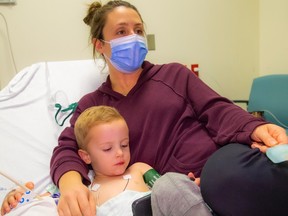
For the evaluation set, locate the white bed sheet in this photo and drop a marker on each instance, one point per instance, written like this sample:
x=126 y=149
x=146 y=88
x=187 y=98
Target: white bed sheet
x=28 y=131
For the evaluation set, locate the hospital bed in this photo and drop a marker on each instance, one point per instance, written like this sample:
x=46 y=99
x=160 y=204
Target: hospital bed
x=28 y=127
x=35 y=107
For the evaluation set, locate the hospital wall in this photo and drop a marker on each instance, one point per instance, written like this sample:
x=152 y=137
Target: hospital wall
x=232 y=41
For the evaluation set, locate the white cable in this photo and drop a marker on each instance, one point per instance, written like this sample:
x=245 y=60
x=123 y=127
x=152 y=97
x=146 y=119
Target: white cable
x=14 y=181
x=17 y=183
x=9 y=42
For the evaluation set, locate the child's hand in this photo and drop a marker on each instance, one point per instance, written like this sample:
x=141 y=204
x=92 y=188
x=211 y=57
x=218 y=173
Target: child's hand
x=192 y=177
x=13 y=197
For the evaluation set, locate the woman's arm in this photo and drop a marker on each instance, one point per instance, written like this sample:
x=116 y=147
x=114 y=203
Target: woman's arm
x=70 y=173
x=75 y=199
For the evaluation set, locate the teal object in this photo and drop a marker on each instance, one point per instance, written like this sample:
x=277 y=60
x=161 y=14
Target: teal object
x=269 y=95
x=278 y=154
x=150 y=177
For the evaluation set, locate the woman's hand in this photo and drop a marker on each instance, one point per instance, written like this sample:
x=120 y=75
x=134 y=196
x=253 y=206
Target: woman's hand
x=75 y=198
x=13 y=198
x=268 y=135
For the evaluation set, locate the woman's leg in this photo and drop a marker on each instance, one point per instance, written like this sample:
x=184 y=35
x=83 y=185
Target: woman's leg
x=238 y=180
x=175 y=194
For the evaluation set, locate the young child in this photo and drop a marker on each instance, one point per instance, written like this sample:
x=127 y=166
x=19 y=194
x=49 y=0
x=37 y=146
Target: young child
x=103 y=138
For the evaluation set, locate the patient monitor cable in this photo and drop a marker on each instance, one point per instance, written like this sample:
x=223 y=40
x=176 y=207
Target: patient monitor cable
x=28 y=193
x=9 y=42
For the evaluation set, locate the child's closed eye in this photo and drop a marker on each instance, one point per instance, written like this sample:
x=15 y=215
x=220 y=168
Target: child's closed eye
x=107 y=149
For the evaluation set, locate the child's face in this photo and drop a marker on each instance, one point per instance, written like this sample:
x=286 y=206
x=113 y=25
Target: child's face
x=108 y=148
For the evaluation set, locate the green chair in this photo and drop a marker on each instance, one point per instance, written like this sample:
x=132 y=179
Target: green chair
x=269 y=96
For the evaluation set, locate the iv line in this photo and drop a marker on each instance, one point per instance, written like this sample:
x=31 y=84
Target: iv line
x=18 y=183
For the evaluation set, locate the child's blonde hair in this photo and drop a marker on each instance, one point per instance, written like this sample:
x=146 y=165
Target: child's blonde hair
x=91 y=117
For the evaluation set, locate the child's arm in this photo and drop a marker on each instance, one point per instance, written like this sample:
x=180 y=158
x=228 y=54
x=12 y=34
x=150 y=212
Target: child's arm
x=150 y=175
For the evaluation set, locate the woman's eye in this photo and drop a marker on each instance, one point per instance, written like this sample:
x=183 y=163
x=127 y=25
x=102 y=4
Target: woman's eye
x=121 y=32
x=139 y=31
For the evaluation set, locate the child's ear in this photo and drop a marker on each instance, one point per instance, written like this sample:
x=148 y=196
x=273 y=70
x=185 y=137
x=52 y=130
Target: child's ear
x=84 y=156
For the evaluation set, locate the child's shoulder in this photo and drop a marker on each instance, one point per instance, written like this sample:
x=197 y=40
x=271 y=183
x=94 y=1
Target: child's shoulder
x=139 y=166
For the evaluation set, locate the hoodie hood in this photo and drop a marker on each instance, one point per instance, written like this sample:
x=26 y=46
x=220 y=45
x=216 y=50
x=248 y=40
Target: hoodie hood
x=149 y=70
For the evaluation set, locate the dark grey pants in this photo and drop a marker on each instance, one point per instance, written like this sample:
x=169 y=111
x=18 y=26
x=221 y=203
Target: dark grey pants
x=240 y=181
x=176 y=195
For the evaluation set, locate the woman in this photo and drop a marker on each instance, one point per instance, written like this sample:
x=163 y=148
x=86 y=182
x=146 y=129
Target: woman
x=176 y=121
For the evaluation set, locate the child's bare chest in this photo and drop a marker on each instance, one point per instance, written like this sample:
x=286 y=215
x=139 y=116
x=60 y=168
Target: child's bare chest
x=107 y=190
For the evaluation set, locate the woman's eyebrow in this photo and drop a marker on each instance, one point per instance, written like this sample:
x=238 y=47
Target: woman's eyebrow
x=126 y=24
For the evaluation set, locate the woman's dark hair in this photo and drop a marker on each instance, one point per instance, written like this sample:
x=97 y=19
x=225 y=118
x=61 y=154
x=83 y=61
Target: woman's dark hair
x=97 y=15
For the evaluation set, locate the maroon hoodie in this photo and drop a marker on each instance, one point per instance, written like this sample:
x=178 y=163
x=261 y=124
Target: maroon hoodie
x=175 y=121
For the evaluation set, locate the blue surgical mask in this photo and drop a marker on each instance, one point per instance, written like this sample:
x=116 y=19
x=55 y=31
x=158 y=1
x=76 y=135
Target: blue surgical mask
x=128 y=52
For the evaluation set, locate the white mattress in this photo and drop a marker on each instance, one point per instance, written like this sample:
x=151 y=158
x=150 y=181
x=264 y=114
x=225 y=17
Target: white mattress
x=28 y=130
